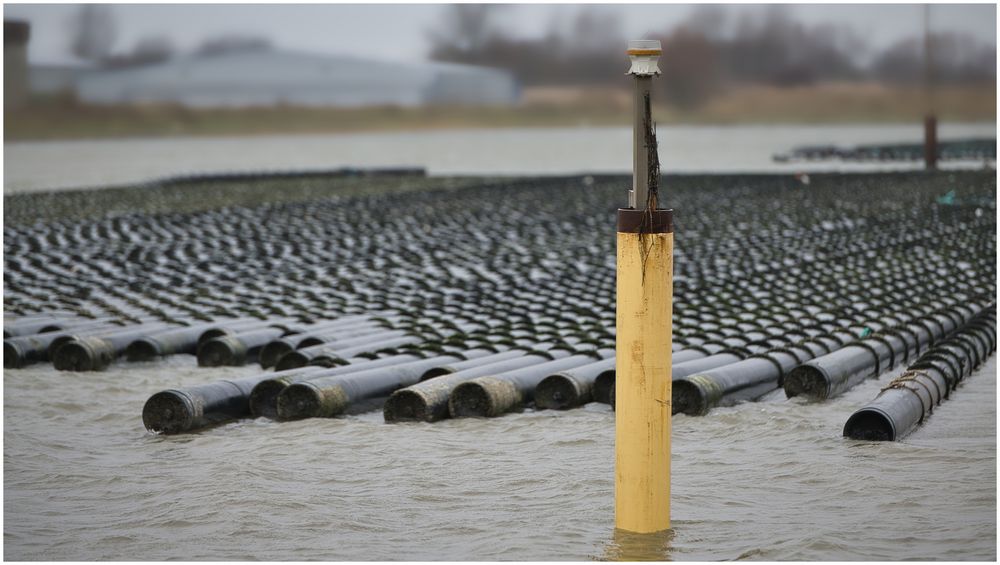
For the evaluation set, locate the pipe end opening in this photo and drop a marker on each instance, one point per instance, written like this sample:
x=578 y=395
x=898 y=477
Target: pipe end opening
x=77 y=356
x=220 y=352
x=808 y=381
x=167 y=412
x=299 y=401
x=688 y=398
x=475 y=399
x=559 y=392
x=870 y=425
x=141 y=350
x=264 y=398
x=291 y=360
x=406 y=406
x=603 y=385
x=13 y=357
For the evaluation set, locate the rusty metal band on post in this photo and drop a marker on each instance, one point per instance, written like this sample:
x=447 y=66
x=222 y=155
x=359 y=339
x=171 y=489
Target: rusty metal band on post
x=644 y=52
x=645 y=221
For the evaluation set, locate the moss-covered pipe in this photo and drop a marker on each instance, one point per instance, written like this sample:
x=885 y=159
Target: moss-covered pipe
x=240 y=325
x=264 y=396
x=427 y=401
x=327 y=396
x=24 y=350
x=748 y=379
x=272 y=352
x=95 y=352
x=331 y=355
x=175 y=341
x=571 y=387
x=189 y=409
x=235 y=350
x=494 y=395
x=604 y=382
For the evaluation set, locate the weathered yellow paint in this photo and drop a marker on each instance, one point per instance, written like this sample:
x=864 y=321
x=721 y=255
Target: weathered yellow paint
x=642 y=381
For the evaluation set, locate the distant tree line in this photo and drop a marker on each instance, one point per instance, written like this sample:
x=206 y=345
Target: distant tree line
x=93 y=33
x=704 y=53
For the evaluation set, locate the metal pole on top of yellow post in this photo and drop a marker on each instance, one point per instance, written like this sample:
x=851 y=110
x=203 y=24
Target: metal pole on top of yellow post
x=644 y=331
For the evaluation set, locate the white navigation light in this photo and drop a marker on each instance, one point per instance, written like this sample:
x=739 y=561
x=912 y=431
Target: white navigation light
x=644 y=54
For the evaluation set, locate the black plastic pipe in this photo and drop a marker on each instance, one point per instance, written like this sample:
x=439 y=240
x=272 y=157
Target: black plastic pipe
x=335 y=353
x=275 y=350
x=604 y=383
x=264 y=396
x=176 y=411
x=748 y=379
x=830 y=375
x=493 y=395
x=95 y=352
x=427 y=401
x=175 y=341
x=21 y=351
x=910 y=398
x=328 y=396
x=573 y=387
x=235 y=350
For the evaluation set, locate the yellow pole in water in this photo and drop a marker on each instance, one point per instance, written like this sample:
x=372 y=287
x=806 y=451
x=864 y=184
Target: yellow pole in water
x=644 y=331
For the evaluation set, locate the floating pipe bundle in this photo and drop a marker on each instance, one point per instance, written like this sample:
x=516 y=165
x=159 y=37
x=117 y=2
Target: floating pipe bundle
x=188 y=409
x=910 y=398
x=572 y=387
x=428 y=400
x=493 y=395
x=328 y=396
x=831 y=374
x=96 y=351
x=264 y=396
x=762 y=263
x=748 y=379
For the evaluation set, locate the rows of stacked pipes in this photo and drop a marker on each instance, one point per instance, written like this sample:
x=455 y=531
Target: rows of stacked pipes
x=955 y=150
x=499 y=295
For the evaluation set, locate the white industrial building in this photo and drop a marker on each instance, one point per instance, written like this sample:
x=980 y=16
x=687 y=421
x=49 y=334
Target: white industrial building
x=265 y=77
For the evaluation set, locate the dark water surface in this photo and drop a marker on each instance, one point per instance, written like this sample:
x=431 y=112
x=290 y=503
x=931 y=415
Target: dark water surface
x=769 y=480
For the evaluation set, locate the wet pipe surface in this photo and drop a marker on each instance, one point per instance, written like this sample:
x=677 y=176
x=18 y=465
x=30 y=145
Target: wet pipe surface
x=510 y=281
x=760 y=252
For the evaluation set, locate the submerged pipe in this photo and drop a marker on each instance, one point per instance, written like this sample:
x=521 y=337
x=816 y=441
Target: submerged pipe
x=328 y=396
x=493 y=395
x=910 y=398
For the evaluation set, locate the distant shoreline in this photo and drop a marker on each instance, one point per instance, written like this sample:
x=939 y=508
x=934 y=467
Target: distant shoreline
x=55 y=119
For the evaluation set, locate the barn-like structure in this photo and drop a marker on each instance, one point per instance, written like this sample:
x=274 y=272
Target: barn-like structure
x=264 y=77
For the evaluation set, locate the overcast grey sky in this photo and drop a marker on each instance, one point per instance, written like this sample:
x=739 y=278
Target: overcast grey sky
x=399 y=31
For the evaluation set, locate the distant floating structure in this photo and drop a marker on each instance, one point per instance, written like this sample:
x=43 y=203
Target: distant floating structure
x=267 y=77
